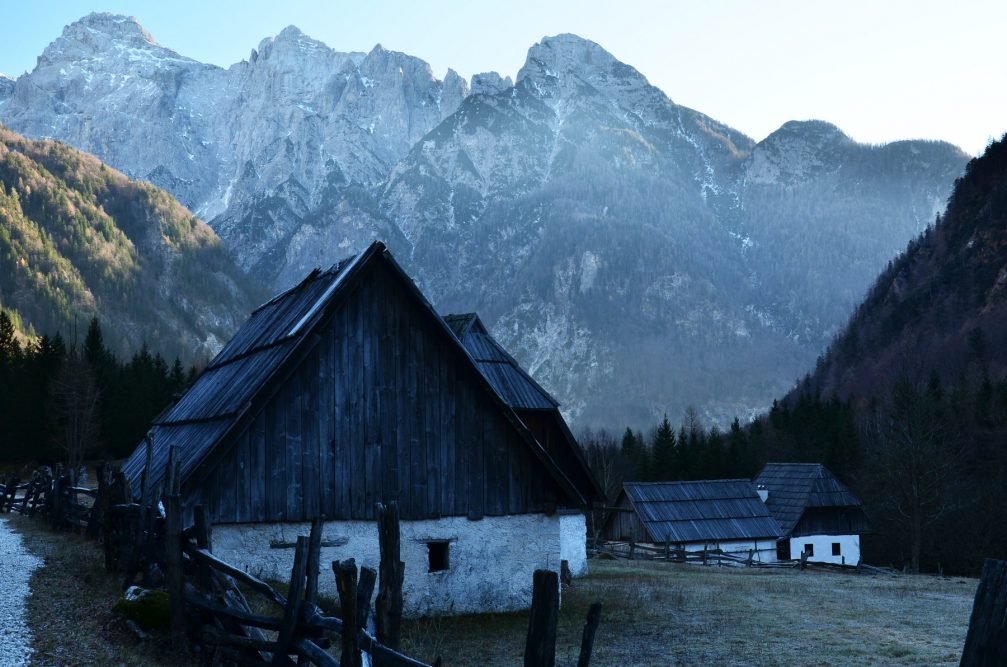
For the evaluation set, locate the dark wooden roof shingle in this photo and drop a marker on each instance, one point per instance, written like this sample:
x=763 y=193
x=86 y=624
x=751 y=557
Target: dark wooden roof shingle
x=518 y=389
x=701 y=511
x=795 y=487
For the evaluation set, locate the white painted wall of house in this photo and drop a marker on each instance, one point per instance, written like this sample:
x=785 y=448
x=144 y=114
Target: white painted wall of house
x=849 y=548
x=491 y=561
x=573 y=542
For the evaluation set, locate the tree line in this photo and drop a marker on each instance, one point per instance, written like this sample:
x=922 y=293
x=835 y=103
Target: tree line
x=925 y=455
x=67 y=400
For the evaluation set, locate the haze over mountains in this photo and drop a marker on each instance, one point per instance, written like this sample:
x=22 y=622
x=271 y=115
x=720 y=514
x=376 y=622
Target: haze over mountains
x=634 y=254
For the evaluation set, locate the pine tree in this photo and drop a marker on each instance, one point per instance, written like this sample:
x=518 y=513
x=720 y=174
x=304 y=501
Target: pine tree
x=628 y=447
x=663 y=463
x=10 y=349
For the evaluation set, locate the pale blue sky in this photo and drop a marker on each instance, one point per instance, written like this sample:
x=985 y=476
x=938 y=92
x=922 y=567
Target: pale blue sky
x=881 y=70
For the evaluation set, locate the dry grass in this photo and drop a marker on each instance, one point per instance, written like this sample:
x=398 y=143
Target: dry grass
x=654 y=614
x=671 y=614
x=70 y=608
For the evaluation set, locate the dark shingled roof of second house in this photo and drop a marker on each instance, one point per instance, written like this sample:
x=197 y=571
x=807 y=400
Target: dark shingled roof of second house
x=795 y=487
x=511 y=382
x=708 y=510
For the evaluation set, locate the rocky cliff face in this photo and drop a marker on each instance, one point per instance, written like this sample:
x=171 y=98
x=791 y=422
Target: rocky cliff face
x=637 y=255
x=274 y=151
x=640 y=256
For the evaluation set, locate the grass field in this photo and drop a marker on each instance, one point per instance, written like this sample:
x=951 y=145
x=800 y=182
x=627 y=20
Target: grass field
x=677 y=614
x=654 y=614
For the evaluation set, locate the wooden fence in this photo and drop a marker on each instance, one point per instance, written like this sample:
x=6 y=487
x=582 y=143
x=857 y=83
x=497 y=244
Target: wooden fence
x=716 y=557
x=209 y=611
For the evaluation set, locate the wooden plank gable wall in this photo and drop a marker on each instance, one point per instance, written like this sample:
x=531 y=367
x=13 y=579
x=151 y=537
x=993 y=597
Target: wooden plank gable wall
x=381 y=409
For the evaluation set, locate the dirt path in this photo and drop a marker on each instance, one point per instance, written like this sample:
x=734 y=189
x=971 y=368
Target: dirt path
x=16 y=567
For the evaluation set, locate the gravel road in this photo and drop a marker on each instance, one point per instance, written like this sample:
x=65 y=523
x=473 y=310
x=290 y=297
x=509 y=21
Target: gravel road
x=16 y=566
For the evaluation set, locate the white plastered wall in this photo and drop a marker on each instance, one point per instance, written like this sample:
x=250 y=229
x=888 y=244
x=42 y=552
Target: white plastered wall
x=849 y=548
x=573 y=542
x=491 y=561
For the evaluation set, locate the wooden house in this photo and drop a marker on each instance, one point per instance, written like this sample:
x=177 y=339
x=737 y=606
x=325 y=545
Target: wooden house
x=722 y=514
x=348 y=390
x=818 y=515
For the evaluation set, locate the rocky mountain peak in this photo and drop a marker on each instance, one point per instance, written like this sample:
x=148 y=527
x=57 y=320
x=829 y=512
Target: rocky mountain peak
x=6 y=85
x=489 y=83
x=816 y=132
x=106 y=38
x=795 y=152
x=571 y=67
x=117 y=26
x=291 y=42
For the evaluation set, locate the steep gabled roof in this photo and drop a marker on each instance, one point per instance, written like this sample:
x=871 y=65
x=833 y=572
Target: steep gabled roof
x=271 y=340
x=711 y=510
x=518 y=389
x=795 y=487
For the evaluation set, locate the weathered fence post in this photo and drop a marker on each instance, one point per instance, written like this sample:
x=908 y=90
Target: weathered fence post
x=100 y=507
x=346 y=584
x=312 y=571
x=986 y=641
x=365 y=589
x=314 y=557
x=202 y=533
x=388 y=605
x=173 y=552
x=540 y=647
x=292 y=612
x=587 y=638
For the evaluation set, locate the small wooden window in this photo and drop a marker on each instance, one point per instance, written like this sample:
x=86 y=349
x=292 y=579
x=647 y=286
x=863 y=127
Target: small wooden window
x=836 y=550
x=437 y=556
x=809 y=549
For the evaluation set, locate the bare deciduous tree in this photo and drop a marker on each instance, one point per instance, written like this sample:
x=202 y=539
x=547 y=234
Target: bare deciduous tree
x=75 y=408
x=916 y=462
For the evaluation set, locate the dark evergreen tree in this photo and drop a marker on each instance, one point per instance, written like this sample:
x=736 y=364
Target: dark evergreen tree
x=663 y=452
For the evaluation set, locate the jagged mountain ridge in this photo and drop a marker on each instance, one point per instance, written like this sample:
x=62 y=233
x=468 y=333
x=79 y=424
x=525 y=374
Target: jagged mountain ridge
x=641 y=256
x=636 y=254
x=273 y=151
x=80 y=239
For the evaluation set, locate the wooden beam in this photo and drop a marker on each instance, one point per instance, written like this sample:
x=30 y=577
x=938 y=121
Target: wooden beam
x=388 y=606
x=292 y=612
x=346 y=584
x=587 y=638
x=540 y=647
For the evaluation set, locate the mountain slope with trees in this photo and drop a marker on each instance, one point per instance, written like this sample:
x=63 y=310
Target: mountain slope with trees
x=79 y=239
x=922 y=367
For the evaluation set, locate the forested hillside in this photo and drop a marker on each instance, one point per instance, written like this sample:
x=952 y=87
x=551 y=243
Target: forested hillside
x=79 y=239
